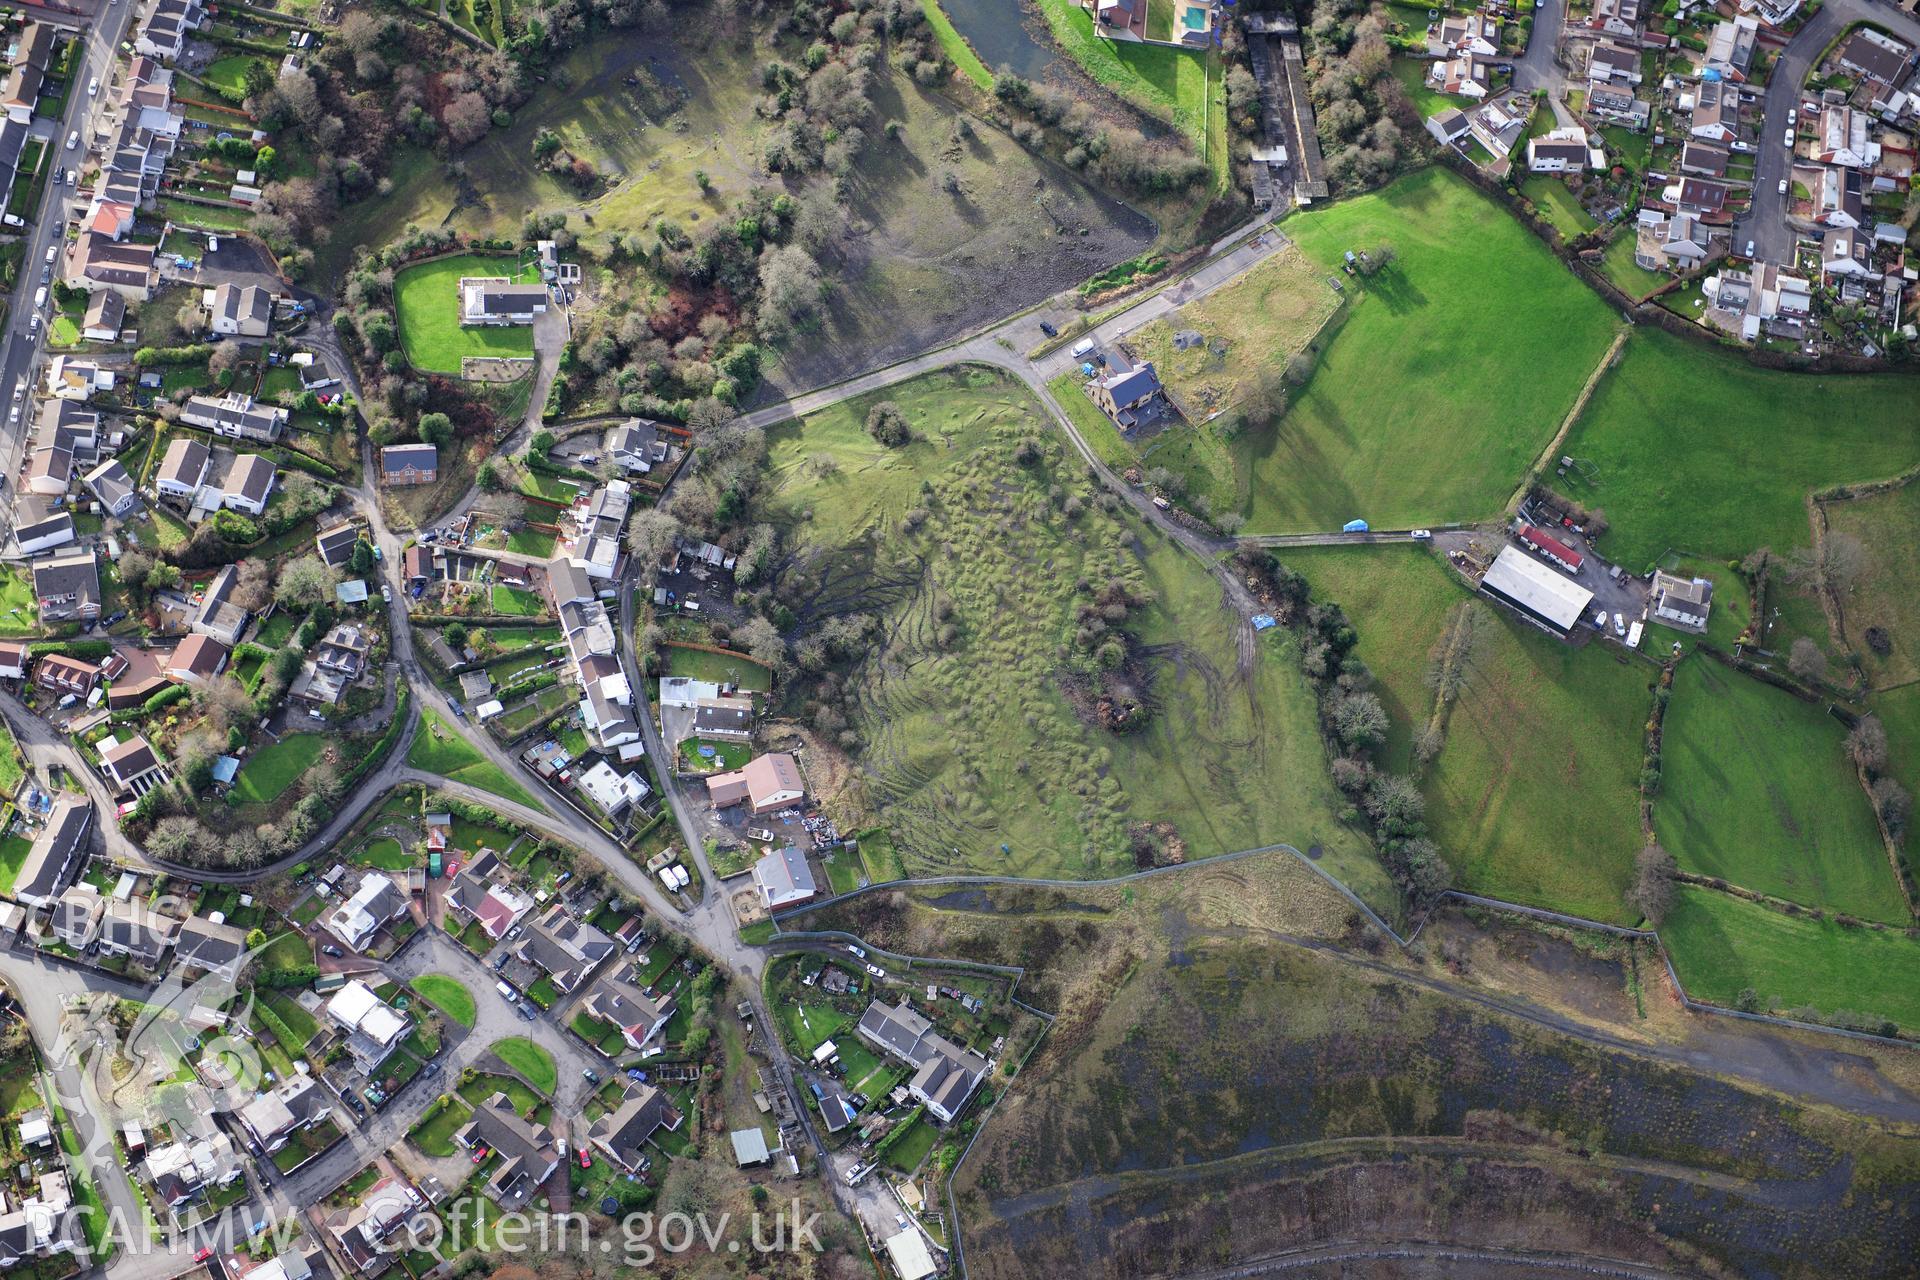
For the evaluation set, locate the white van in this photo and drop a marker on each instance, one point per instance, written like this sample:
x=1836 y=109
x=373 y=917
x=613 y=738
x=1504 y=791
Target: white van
x=507 y=993
x=1082 y=348
x=40 y=297
x=53 y=251
x=73 y=139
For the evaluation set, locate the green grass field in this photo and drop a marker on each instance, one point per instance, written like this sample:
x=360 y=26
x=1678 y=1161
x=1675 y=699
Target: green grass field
x=1730 y=481
x=698 y=664
x=976 y=744
x=1723 y=945
x=1887 y=592
x=1432 y=399
x=1757 y=790
x=1543 y=739
x=428 y=300
x=437 y=748
x=274 y=768
x=530 y=1060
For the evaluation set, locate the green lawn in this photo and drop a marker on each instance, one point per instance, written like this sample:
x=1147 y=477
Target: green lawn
x=386 y=853
x=229 y=72
x=18 y=605
x=270 y=771
x=1757 y=790
x=437 y=748
x=726 y=755
x=907 y=1151
x=1730 y=481
x=1628 y=276
x=513 y=639
x=720 y=668
x=1557 y=204
x=1432 y=399
x=517 y=602
x=523 y=1098
x=288 y=1010
x=533 y=1063
x=1544 y=739
x=277 y=630
x=977 y=758
x=531 y=542
x=13 y=855
x=428 y=299
x=1723 y=945
x=449 y=995
x=1167 y=82
x=1428 y=101
x=433 y=1132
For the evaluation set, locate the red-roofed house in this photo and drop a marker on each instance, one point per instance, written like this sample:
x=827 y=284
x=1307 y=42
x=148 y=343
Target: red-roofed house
x=1542 y=543
x=498 y=911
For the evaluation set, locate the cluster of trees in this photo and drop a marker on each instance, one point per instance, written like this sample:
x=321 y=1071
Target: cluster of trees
x=1867 y=748
x=181 y=822
x=1355 y=724
x=1366 y=124
x=1115 y=154
x=732 y=284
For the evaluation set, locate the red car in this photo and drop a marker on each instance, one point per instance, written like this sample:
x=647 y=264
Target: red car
x=479 y=1154
x=586 y=1161
x=203 y=1253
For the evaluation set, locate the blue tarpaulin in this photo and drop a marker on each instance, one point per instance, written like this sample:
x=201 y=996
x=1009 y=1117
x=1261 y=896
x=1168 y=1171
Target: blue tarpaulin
x=1264 y=622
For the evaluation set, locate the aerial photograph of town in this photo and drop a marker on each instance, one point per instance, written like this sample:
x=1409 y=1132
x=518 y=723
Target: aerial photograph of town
x=996 y=639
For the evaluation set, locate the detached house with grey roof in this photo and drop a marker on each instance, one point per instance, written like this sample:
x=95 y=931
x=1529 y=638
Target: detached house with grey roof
x=409 y=464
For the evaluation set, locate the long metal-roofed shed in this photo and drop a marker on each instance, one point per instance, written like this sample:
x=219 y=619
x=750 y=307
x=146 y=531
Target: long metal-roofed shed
x=1549 y=599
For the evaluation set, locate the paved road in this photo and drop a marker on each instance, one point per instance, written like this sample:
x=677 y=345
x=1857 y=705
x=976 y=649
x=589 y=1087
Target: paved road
x=22 y=349
x=1766 y=221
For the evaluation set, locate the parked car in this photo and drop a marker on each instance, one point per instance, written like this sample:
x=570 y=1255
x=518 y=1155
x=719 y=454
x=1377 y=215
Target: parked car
x=585 y=1161
x=479 y=1153
x=1049 y=330
x=1423 y=535
x=1749 y=248
x=1788 y=139
x=93 y=87
x=876 y=971
x=1793 y=115
x=592 y=1077
x=1783 y=186
x=330 y=950
x=73 y=140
